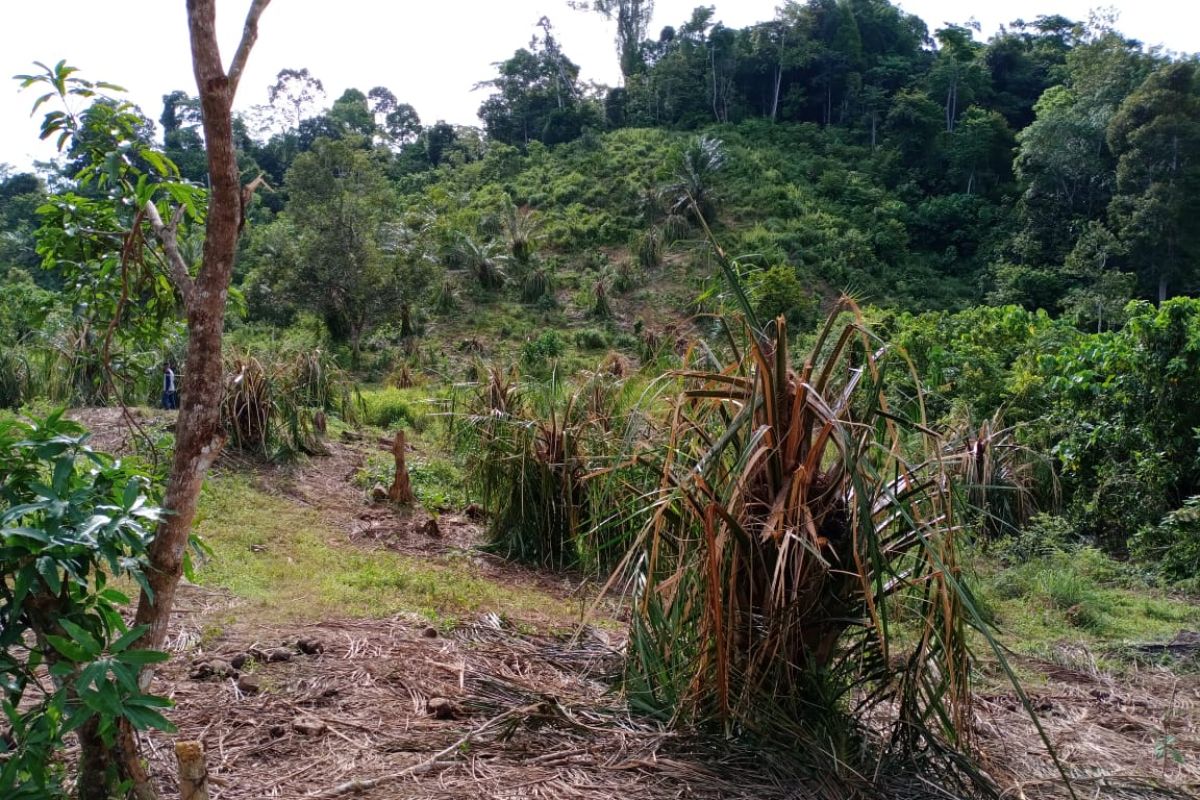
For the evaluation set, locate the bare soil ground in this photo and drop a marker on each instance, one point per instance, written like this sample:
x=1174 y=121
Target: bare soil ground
x=508 y=708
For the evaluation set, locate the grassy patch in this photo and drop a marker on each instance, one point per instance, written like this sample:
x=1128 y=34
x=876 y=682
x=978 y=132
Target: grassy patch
x=282 y=559
x=1077 y=596
x=387 y=407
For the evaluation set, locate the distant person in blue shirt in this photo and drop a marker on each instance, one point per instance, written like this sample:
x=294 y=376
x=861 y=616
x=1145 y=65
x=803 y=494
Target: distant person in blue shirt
x=170 y=395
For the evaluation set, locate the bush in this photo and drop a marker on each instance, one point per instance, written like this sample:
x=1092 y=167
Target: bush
x=1172 y=547
x=537 y=353
x=777 y=292
x=389 y=407
x=591 y=339
x=275 y=403
x=1041 y=537
x=534 y=459
x=649 y=248
x=14 y=378
x=74 y=521
x=536 y=285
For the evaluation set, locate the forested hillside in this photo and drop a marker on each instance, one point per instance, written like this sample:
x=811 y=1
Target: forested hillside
x=849 y=355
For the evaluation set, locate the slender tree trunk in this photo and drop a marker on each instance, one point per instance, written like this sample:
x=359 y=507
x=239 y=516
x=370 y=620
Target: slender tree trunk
x=198 y=433
x=356 y=332
x=94 y=763
x=775 y=93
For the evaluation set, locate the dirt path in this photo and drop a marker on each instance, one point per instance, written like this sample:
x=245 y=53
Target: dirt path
x=285 y=711
x=327 y=485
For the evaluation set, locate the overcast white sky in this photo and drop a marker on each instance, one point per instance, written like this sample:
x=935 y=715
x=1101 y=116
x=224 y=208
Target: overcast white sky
x=429 y=53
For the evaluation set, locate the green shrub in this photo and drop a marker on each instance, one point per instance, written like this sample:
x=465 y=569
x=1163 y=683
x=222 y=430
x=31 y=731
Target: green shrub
x=1043 y=536
x=534 y=459
x=1172 y=547
x=275 y=403
x=535 y=285
x=390 y=407
x=778 y=292
x=74 y=522
x=626 y=278
x=627 y=342
x=537 y=353
x=601 y=307
x=14 y=378
x=591 y=339
x=649 y=247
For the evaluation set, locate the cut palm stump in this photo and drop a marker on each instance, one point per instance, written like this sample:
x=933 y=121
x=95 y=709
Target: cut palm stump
x=401 y=491
x=193 y=773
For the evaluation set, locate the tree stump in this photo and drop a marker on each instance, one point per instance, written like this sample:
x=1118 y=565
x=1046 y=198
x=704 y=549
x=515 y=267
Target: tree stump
x=193 y=772
x=401 y=491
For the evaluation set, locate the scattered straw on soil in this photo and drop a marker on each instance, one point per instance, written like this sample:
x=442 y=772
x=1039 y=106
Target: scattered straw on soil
x=1132 y=737
x=384 y=695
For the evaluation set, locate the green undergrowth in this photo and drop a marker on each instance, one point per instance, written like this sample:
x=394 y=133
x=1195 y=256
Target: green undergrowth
x=388 y=407
x=289 y=565
x=1061 y=600
x=437 y=481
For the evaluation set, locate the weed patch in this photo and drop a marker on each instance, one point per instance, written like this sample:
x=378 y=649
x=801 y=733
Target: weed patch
x=282 y=559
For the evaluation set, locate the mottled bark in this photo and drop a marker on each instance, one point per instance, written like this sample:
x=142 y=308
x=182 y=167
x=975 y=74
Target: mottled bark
x=198 y=433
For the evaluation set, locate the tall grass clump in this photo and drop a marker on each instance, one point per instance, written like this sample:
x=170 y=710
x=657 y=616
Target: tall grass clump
x=391 y=406
x=1005 y=483
x=14 y=378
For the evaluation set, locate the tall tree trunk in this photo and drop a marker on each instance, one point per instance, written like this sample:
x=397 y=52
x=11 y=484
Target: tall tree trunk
x=198 y=433
x=775 y=93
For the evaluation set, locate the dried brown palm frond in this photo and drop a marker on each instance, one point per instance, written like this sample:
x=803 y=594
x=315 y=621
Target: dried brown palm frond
x=275 y=404
x=601 y=307
x=501 y=393
x=248 y=405
x=798 y=574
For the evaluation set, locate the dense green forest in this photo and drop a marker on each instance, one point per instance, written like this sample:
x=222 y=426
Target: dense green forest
x=998 y=204
x=835 y=221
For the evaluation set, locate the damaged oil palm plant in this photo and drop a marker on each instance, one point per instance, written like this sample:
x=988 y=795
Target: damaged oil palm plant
x=1005 y=482
x=276 y=406
x=797 y=576
x=525 y=462
x=537 y=456
x=790 y=525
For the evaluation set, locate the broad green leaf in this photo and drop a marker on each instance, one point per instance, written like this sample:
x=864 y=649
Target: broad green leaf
x=67 y=648
x=128 y=638
x=139 y=658
x=48 y=568
x=83 y=638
